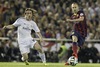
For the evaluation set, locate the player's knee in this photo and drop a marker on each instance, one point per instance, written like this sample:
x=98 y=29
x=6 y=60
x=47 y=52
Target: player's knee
x=38 y=48
x=74 y=39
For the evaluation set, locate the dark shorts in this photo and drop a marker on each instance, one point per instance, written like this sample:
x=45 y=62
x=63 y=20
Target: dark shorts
x=81 y=40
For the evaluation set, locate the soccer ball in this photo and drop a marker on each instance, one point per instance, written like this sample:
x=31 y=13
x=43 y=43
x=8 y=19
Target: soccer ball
x=71 y=61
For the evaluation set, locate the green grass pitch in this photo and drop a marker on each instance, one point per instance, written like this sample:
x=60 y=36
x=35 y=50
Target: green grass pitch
x=20 y=64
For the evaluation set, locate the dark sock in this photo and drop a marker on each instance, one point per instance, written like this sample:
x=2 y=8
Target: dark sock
x=75 y=49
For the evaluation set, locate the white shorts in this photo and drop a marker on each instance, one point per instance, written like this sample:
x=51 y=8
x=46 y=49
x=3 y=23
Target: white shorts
x=25 y=45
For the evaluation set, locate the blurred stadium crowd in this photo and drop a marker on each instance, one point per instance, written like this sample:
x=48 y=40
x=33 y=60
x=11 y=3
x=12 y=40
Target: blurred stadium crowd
x=51 y=21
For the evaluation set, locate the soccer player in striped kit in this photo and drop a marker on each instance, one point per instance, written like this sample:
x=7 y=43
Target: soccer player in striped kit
x=79 y=31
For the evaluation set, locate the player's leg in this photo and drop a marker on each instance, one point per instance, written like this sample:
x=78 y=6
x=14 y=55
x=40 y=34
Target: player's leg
x=75 y=46
x=41 y=52
x=24 y=49
x=78 y=42
x=25 y=58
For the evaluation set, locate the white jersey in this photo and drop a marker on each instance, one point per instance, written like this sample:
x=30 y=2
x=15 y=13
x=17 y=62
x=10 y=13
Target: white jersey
x=24 y=28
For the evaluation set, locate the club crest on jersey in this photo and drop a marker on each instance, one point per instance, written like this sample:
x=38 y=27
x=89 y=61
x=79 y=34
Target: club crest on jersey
x=81 y=14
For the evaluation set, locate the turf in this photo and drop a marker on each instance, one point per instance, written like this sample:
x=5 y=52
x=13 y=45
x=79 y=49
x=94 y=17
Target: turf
x=19 y=64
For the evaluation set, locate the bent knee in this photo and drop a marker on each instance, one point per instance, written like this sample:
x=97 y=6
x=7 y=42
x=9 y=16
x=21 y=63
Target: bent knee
x=74 y=38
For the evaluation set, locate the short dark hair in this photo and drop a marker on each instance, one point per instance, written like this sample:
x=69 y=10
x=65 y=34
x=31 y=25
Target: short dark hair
x=75 y=3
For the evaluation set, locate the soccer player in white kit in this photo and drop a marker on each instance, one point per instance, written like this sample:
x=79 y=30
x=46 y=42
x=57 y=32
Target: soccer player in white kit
x=24 y=26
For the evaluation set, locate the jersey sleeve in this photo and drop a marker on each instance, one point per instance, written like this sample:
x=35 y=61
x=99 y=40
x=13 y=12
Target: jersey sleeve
x=17 y=23
x=35 y=27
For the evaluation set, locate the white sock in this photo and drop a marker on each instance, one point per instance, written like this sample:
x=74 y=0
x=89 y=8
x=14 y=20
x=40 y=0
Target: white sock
x=42 y=56
x=22 y=58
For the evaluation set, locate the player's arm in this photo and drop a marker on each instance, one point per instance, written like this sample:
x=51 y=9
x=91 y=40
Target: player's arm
x=9 y=27
x=37 y=31
x=12 y=26
x=76 y=20
x=40 y=36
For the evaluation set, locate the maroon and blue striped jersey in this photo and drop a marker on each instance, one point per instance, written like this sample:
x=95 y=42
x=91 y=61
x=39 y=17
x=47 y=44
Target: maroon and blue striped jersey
x=80 y=27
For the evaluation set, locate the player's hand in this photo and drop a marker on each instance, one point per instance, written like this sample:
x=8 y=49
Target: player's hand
x=4 y=27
